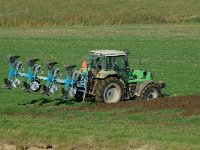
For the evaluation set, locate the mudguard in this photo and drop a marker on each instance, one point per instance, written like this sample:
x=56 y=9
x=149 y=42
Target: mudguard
x=105 y=73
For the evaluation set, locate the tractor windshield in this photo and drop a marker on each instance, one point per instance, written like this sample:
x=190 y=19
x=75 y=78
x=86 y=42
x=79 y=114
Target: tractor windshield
x=116 y=63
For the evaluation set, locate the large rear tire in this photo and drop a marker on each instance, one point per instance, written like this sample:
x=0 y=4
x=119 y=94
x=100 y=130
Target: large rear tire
x=150 y=92
x=109 y=90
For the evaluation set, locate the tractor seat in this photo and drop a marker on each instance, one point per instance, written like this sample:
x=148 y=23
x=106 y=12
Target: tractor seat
x=31 y=62
x=50 y=65
x=12 y=59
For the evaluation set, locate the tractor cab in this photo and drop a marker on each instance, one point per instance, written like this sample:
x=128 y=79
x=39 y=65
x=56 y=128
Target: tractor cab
x=109 y=60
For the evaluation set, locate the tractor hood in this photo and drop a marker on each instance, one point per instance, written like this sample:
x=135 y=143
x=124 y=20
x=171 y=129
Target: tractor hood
x=139 y=76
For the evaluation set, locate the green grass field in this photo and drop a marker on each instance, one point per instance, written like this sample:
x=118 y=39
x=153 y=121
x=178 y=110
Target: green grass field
x=171 y=52
x=95 y=12
x=164 y=35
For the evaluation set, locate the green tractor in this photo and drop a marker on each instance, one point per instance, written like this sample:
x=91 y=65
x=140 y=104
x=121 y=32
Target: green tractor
x=106 y=78
x=110 y=79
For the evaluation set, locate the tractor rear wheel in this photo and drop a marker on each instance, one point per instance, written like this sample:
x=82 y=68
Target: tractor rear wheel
x=109 y=90
x=151 y=91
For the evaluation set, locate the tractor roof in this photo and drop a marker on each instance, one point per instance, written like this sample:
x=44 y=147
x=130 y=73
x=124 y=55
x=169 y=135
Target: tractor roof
x=108 y=53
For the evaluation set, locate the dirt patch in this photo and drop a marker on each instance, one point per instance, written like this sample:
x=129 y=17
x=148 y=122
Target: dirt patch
x=145 y=147
x=38 y=146
x=190 y=104
x=6 y=145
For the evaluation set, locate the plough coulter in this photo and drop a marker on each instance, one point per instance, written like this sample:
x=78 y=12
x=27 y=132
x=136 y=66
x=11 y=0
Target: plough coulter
x=105 y=78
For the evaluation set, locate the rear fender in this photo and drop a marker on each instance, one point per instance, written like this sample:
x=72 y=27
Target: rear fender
x=105 y=73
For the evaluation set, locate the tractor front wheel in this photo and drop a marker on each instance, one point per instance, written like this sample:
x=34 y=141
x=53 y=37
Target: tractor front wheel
x=109 y=90
x=150 y=92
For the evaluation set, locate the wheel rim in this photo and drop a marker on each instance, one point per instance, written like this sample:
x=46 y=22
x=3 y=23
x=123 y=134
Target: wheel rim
x=152 y=94
x=112 y=93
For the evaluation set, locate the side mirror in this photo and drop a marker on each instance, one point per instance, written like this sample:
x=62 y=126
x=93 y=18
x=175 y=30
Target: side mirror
x=127 y=52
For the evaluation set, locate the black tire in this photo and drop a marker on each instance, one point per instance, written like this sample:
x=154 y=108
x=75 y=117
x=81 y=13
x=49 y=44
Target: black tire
x=79 y=96
x=109 y=90
x=150 y=92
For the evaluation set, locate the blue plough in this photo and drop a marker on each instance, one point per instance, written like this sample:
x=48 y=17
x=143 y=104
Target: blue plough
x=74 y=82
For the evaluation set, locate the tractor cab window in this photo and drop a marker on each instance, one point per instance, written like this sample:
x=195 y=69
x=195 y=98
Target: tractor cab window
x=109 y=64
x=119 y=63
x=96 y=62
x=116 y=63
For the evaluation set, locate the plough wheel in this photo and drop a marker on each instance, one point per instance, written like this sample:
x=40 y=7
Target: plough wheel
x=109 y=90
x=34 y=86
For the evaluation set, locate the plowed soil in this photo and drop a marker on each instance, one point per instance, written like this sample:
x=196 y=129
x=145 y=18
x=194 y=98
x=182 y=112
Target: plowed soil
x=186 y=103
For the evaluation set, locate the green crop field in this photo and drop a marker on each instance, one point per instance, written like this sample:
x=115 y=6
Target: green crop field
x=95 y=12
x=171 y=52
x=162 y=36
